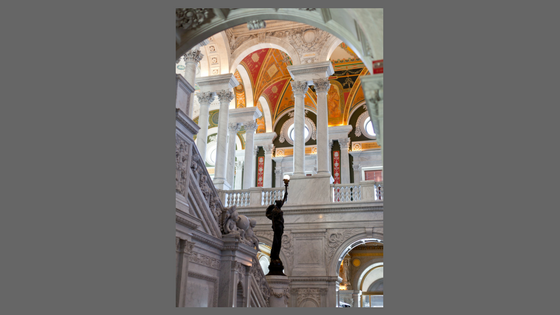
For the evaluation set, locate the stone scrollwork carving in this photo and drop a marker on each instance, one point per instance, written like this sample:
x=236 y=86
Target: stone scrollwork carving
x=204 y=260
x=309 y=293
x=187 y=18
x=181 y=156
x=335 y=238
x=268 y=148
x=299 y=87
x=225 y=96
x=239 y=226
x=256 y=24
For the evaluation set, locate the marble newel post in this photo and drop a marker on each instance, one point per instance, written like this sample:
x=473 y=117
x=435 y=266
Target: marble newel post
x=220 y=181
x=204 y=98
x=233 y=128
x=322 y=87
x=268 y=165
x=299 y=88
x=280 y=295
x=250 y=128
x=344 y=161
x=192 y=57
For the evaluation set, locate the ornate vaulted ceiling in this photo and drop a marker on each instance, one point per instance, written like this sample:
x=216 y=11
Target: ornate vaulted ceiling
x=268 y=75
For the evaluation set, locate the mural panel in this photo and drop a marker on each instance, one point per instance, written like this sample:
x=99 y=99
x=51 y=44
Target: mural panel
x=335 y=106
x=253 y=63
x=260 y=121
x=240 y=100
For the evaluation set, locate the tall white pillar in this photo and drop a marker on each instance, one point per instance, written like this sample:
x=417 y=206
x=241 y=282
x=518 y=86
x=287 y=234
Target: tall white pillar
x=279 y=175
x=238 y=174
x=254 y=166
x=268 y=165
x=233 y=128
x=299 y=88
x=248 y=175
x=330 y=155
x=204 y=98
x=344 y=161
x=322 y=88
x=357 y=172
x=220 y=181
x=356 y=296
x=192 y=58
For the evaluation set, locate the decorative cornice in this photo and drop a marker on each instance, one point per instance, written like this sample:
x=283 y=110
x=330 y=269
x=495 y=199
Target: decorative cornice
x=188 y=123
x=185 y=222
x=187 y=18
x=214 y=243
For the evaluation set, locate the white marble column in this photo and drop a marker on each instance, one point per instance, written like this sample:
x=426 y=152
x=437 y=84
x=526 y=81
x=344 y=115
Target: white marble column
x=238 y=174
x=220 y=181
x=192 y=58
x=267 y=182
x=330 y=156
x=279 y=175
x=184 y=250
x=356 y=296
x=248 y=175
x=204 y=98
x=299 y=88
x=344 y=161
x=233 y=128
x=254 y=166
x=322 y=88
x=357 y=172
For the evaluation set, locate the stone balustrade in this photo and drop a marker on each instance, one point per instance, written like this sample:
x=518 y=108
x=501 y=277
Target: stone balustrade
x=257 y=196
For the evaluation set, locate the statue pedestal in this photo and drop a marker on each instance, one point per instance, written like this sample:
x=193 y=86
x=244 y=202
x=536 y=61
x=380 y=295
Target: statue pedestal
x=280 y=295
x=276 y=268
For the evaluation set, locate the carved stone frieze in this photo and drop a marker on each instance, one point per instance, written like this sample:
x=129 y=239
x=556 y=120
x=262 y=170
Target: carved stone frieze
x=181 y=171
x=309 y=293
x=204 y=260
x=187 y=18
x=239 y=226
x=225 y=96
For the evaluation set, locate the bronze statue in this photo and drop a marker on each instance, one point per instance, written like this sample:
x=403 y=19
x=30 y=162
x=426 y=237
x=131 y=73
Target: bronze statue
x=275 y=214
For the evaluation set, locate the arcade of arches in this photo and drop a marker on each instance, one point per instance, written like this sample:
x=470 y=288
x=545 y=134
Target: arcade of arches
x=269 y=101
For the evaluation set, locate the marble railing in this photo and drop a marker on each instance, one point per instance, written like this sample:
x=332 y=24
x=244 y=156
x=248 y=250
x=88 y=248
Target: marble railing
x=257 y=196
x=363 y=191
x=378 y=190
x=346 y=192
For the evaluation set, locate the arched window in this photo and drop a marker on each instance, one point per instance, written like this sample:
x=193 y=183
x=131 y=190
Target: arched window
x=368 y=126
x=291 y=132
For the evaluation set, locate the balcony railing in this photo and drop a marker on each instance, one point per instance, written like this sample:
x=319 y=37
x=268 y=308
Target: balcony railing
x=258 y=196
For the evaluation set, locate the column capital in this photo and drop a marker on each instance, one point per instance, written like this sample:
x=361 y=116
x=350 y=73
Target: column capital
x=205 y=98
x=344 y=142
x=238 y=164
x=278 y=170
x=250 y=126
x=193 y=56
x=322 y=85
x=268 y=148
x=299 y=87
x=357 y=166
x=225 y=96
x=234 y=127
